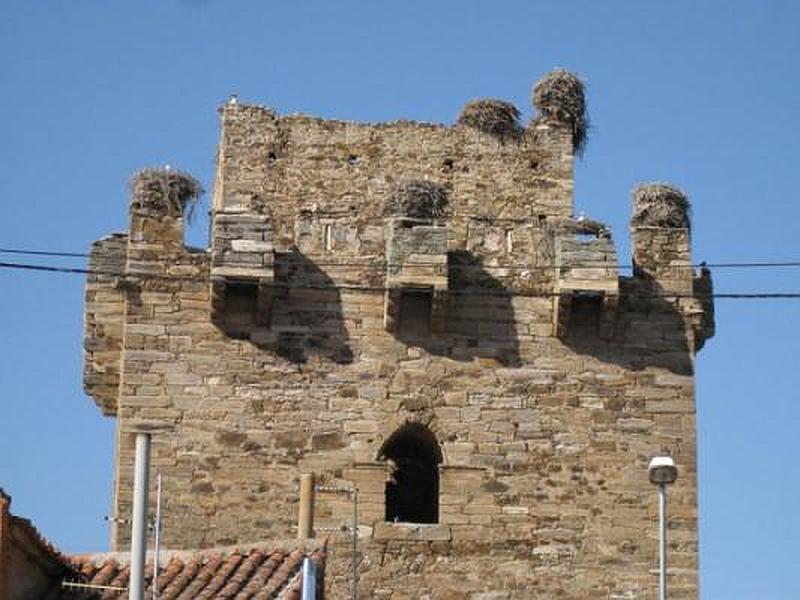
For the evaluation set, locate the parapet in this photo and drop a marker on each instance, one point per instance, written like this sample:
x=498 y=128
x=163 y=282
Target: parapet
x=559 y=96
x=121 y=264
x=491 y=166
x=160 y=200
x=661 y=237
x=662 y=258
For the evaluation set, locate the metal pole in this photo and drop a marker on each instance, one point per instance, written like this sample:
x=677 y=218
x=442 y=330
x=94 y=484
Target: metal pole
x=139 y=519
x=355 y=544
x=157 y=536
x=305 y=517
x=662 y=541
x=309 y=580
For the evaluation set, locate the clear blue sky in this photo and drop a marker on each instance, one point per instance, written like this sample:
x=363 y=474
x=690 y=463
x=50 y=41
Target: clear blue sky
x=702 y=94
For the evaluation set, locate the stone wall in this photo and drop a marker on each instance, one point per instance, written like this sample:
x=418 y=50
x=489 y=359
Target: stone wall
x=104 y=319
x=547 y=390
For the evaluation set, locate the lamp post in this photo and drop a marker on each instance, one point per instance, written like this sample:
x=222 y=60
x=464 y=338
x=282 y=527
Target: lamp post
x=662 y=471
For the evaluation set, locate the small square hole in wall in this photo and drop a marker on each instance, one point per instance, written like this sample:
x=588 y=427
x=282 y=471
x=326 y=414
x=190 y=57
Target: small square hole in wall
x=241 y=306
x=415 y=313
x=586 y=310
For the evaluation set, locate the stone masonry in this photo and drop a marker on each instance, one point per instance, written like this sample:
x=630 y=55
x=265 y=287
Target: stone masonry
x=321 y=334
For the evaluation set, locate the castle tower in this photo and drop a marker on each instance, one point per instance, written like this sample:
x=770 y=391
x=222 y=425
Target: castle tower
x=409 y=310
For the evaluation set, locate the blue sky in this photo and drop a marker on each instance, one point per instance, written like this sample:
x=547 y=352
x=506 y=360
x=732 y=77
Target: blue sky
x=702 y=94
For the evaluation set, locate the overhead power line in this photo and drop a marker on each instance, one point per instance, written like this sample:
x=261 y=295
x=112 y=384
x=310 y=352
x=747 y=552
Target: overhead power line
x=382 y=264
x=43 y=253
x=477 y=290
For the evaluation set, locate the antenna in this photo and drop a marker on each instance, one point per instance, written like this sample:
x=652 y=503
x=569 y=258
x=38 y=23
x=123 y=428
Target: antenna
x=157 y=535
x=353 y=493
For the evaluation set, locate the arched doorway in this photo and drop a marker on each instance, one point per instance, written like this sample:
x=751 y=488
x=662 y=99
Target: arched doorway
x=412 y=494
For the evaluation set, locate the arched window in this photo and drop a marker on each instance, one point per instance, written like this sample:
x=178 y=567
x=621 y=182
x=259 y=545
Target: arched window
x=412 y=493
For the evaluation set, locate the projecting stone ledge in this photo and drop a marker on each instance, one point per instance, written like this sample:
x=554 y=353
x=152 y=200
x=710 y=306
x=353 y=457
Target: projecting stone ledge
x=412 y=532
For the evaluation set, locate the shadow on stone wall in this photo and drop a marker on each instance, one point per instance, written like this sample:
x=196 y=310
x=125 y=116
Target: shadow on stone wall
x=299 y=316
x=307 y=315
x=479 y=317
x=648 y=330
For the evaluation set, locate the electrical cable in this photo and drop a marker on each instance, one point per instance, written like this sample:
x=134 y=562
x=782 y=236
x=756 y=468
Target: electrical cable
x=382 y=264
x=43 y=253
x=503 y=292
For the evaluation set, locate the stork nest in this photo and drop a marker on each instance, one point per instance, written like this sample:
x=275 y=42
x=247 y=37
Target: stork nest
x=495 y=117
x=417 y=199
x=163 y=189
x=660 y=205
x=560 y=96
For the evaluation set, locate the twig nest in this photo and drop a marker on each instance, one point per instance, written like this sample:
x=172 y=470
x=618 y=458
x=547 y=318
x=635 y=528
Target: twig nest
x=417 y=199
x=165 y=191
x=495 y=117
x=560 y=96
x=660 y=205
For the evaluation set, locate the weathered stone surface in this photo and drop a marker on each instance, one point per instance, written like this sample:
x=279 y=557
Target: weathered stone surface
x=282 y=363
x=411 y=531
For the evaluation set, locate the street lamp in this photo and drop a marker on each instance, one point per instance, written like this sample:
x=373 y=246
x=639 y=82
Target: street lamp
x=662 y=472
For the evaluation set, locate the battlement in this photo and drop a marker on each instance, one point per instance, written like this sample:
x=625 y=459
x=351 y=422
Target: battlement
x=287 y=164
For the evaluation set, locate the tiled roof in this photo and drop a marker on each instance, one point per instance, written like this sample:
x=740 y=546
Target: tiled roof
x=25 y=532
x=254 y=572
x=257 y=573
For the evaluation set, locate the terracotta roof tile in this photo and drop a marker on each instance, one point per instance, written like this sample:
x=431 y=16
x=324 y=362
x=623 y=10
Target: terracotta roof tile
x=258 y=571
x=243 y=574
x=121 y=580
x=184 y=578
x=236 y=574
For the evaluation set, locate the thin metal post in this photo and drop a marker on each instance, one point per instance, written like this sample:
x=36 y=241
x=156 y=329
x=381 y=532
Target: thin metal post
x=157 y=536
x=309 y=580
x=139 y=518
x=355 y=543
x=662 y=541
x=352 y=492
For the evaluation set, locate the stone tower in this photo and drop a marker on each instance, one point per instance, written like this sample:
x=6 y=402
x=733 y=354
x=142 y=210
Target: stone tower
x=410 y=310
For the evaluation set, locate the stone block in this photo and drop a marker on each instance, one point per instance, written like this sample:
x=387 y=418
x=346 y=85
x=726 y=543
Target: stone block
x=411 y=532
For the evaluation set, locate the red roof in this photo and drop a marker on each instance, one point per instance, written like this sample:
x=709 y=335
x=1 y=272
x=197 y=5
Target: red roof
x=262 y=570
x=236 y=574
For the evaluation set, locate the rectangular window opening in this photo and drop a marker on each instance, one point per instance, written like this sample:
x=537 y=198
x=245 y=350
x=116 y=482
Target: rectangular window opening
x=415 y=313
x=241 y=307
x=586 y=309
